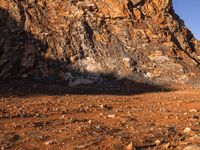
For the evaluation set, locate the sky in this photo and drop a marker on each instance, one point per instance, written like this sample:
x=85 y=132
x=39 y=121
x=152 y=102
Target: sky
x=189 y=12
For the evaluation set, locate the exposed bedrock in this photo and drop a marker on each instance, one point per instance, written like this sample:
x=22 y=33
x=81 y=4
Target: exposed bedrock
x=141 y=40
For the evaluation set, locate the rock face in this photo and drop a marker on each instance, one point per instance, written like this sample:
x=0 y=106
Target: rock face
x=142 y=40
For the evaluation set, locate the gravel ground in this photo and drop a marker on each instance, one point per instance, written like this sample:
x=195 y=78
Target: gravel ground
x=51 y=116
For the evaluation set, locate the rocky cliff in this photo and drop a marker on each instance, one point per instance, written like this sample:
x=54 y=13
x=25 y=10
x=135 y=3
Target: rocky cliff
x=141 y=40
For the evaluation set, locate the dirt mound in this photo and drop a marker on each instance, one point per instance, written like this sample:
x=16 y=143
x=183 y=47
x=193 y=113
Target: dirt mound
x=139 y=40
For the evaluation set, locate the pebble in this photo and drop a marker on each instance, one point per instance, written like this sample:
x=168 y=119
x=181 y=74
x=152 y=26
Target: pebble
x=163 y=110
x=157 y=142
x=111 y=116
x=193 y=110
x=49 y=142
x=166 y=146
x=100 y=114
x=90 y=121
x=24 y=76
x=130 y=146
x=187 y=130
x=106 y=106
x=197 y=123
x=98 y=127
x=73 y=120
x=192 y=147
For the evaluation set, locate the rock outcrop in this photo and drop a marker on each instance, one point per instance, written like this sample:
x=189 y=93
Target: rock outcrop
x=142 y=40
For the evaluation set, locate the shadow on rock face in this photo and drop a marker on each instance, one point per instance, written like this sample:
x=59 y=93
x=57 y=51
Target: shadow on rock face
x=21 y=55
x=19 y=50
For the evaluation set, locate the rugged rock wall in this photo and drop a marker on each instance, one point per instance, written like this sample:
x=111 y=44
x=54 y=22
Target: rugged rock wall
x=142 y=40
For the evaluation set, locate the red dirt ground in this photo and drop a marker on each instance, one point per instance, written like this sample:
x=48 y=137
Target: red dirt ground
x=34 y=116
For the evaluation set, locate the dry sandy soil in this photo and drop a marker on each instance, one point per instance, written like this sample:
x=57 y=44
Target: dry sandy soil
x=51 y=116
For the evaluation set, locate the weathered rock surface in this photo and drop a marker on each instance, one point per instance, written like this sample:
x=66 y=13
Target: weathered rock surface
x=136 y=39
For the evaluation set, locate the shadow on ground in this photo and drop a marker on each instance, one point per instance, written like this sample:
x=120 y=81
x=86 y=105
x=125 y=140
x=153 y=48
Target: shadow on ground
x=124 y=87
x=18 y=47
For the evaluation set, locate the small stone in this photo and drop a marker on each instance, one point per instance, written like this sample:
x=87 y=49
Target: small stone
x=90 y=121
x=105 y=106
x=194 y=110
x=73 y=120
x=111 y=116
x=187 y=131
x=100 y=114
x=49 y=142
x=166 y=146
x=60 y=131
x=163 y=110
x=24 y=76
x=130 y=146
x=197 y=123
x=157 y=142
x=98 y=127
x=192 y=147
